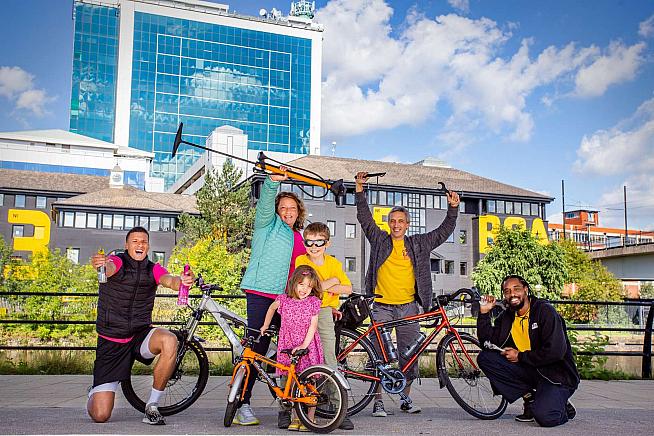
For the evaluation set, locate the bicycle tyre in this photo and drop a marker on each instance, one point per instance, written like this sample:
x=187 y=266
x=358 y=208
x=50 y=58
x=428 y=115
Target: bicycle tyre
x=465 y=381
x=360 y=360
x=234 y=396
x=183 y=388
x=330 y=392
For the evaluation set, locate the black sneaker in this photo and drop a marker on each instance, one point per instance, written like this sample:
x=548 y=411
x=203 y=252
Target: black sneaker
x=152 y=415
x=283 y=418
x=570 y=410
x=346 y=424
x=410 y=407
x=378 y=410
x=527 y=415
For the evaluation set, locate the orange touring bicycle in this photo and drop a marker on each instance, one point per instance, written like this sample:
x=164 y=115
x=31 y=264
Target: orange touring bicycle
x=367 y=365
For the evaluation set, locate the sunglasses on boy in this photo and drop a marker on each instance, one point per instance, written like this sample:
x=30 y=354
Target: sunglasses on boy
x=316 y=242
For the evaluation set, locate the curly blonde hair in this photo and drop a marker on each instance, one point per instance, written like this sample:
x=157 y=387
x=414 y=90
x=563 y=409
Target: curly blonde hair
x=301 y=209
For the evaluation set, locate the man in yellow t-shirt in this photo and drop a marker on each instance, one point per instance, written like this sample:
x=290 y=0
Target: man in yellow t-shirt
x=399 y=271
x=334 y=282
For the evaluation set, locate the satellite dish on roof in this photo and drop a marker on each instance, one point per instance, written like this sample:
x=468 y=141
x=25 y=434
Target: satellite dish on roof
x=263 y=13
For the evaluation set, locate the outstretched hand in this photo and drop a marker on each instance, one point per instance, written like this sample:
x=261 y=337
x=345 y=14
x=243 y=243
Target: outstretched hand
x=453 y=199
x=280 y=177
x=361 y=178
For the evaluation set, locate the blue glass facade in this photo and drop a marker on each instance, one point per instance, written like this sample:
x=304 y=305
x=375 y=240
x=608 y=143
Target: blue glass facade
x=95 y=62
x=132 y=178
x=207 y=76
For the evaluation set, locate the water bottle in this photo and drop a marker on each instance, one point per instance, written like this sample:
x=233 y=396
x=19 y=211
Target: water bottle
x=391 y=351
x=413 y=346
x=182 y=296
x=102 y=270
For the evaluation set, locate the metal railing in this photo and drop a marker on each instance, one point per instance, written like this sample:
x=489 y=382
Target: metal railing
x=645 y=316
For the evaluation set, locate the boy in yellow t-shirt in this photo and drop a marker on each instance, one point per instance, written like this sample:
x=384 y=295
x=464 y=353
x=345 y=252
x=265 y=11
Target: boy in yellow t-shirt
x=333 y=280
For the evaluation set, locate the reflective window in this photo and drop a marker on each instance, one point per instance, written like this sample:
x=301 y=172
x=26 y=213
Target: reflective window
x=129 y=222
x=332 y=228
x=490 y=206
x=92 y=220
x=350 y=264
x=155 y=223
x=159 y=257
x=19 y=201
x=68 y=219
x=80 y=220
x=2 y=199
x=40 y=202
x=463 y=268
x=73 y=254
x=144 y=222
x=463 y=237
x=107 y=221
x=350 y=231
x=118 y=222
x=18 y=230
x=449 y=267
x=166 y=225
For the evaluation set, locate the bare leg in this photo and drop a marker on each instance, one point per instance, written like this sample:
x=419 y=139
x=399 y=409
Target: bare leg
x=100 y=406
x=163 y=343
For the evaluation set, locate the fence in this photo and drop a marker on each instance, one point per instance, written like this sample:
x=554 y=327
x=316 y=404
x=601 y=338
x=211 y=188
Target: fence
x=641 y=310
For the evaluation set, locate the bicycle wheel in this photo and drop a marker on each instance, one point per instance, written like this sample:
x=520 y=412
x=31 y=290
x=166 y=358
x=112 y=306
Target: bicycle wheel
x=357 y=367
x=184 y=387
x=234 y=396
x=322 y=384
x=467 y=384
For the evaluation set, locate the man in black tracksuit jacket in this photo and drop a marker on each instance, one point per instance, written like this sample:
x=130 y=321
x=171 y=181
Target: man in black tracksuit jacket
x=536 y=362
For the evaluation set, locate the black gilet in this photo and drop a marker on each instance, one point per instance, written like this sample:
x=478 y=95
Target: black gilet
x=126 y=301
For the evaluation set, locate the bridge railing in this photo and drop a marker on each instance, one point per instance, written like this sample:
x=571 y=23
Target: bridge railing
x=633 y=316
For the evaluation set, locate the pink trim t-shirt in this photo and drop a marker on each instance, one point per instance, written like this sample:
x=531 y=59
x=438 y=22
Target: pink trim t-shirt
x=157 y=271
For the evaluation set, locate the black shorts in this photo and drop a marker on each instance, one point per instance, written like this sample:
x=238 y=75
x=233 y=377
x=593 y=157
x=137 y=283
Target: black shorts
x=113 y=361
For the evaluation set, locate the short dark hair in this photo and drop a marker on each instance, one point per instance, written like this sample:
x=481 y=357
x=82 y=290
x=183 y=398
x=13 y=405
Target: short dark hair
x=519 y=278
x=317 y=228
x=401 y=209
x=137 y=229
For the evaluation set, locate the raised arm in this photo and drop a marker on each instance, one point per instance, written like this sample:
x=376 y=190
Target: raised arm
x=97 y=260
x=440 y=234
x=368 y=224
x=171 y=281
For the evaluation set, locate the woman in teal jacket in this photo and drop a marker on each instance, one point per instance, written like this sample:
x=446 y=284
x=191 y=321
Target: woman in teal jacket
x=276 y=243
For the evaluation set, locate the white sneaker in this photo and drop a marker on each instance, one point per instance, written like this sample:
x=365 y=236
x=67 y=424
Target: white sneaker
x=152 y=415
x=410 y=408
x=245 y=416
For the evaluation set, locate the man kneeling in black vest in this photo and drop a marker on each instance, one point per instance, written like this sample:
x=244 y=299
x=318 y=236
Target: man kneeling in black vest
x=124 y=326
x=536 y=360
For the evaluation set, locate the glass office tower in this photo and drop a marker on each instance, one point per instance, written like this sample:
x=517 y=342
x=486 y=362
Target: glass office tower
x=141 y=68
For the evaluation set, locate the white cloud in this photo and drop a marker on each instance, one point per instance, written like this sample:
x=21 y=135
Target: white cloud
x=646 y=28
x=620 y=64
x=391 y=158
x=629 y=146
x=640 y=203
x=461 y=5
x=376 y=77
x=17 y=86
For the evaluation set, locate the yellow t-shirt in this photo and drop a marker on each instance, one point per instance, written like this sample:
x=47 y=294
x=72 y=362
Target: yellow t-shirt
x=396 y=281
x=520 y=332
x=331 y=267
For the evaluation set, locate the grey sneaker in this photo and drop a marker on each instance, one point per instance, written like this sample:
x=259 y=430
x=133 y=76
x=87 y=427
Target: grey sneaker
x=378 y=410
x=410 y=408
x=152 y=415
x=245 y=416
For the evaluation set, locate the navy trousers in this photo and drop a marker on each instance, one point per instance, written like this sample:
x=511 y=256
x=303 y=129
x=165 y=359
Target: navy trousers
x=513 y=380
x=257 y=307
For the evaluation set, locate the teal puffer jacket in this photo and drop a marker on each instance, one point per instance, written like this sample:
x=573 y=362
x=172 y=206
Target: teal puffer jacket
x=272 y=246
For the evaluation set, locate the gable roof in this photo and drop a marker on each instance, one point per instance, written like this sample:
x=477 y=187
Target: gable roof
x=413 y=176
x=130 y=198
x=33 y=181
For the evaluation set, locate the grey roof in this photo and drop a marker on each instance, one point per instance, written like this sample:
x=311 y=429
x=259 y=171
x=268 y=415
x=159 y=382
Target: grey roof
x=130 y=198
x=413 y=176
x=51 y=182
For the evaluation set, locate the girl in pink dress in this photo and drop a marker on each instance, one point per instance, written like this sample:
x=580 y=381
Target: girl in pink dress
x=299 y=309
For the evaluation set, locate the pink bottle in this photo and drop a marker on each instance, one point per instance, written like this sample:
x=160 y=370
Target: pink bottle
x=182 y=296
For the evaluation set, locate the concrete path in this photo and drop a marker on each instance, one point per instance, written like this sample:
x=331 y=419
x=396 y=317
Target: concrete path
x=56 y=405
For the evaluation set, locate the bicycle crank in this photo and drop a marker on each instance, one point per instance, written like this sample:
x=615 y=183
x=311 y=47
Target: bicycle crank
x=392 y=380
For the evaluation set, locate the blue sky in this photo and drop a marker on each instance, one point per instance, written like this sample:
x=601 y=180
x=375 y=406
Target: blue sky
x=527 y=93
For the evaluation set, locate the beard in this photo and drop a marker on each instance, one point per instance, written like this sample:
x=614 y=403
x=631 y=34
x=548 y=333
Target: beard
x=515 y=307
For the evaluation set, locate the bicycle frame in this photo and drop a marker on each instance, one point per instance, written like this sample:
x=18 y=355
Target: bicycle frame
x=250 y=358
x=375 y=331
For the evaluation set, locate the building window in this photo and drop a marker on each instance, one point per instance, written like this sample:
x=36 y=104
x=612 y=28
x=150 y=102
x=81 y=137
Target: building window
x=500 y=206
x=41 y=202
x=80 y=220
x=350 y=231
x=69 y=219
x=165 y=224
x=2 y=199
x=92 y=220
x=129 y=222
x=517 y=208
x=143 y=222
x=107 y=221
x=349 y=199
x=332 y=228
x=159 y=257
x=534 y=209
x=372 y=197
x=381 y=198
x=509 y=207
x=155 y=224
x=18 y=231
x=73 y=255
x=350 y=264
x=430 y=201
x=463 y=237
x=118 y=222
x=525 y=208
x=19 y=201
x=490 y=206
x=449 y=267
x=463 y=268
x=435 y=265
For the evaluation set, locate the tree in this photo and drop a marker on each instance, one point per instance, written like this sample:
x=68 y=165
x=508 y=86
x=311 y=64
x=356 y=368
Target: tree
x=517 y=251
x=225 y=208
x=647 y=290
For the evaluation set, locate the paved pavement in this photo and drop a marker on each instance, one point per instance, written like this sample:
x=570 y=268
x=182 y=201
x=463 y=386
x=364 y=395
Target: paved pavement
x=55 y=405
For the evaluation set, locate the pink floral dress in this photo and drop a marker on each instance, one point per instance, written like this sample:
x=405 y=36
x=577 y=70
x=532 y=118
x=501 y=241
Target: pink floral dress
x=296 y=319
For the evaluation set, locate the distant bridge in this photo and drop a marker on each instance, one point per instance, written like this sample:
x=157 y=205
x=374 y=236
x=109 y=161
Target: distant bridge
x=631 y=262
